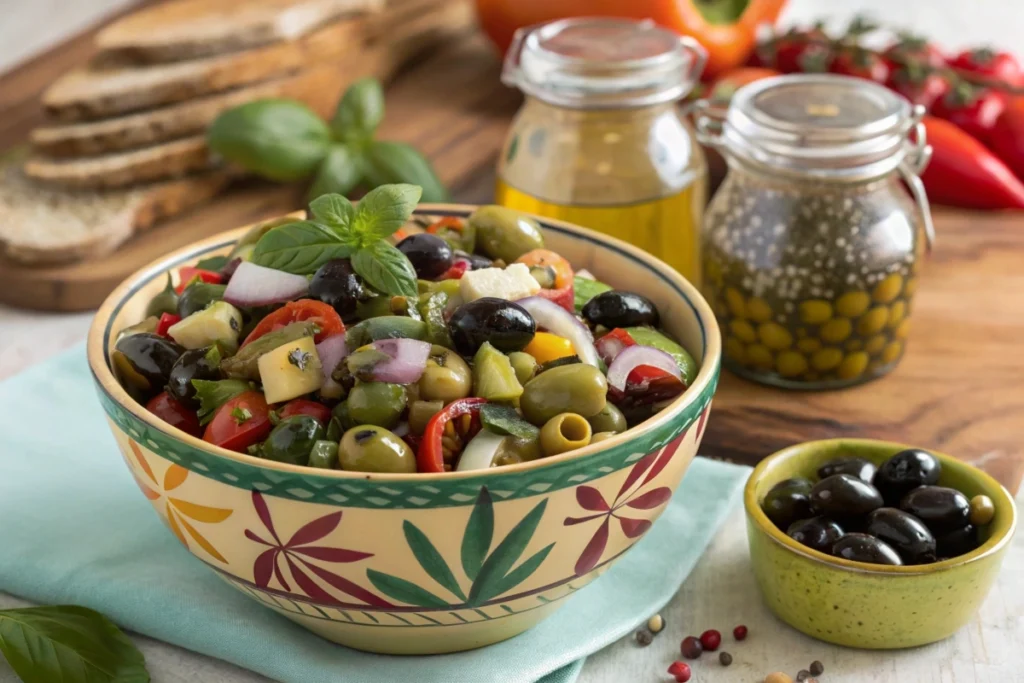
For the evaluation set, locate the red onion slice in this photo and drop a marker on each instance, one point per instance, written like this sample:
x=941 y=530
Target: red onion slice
x=331 y=352
x=408 y=360
x=634 y=356
x=557 y=320
x=253 y=285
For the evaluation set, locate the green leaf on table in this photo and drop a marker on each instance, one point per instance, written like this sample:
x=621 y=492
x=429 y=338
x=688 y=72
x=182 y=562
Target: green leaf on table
x=384 y=210
x=338 y=173
x=490 y=580
x=335 y=212
x=212 y=394
x=68 y=644
x=385 y=269
x=397 y=162
x=403 y=591
x=280 y=139
x=299 y=247
x=359 y=112
x=476 y=540
x=430 y=559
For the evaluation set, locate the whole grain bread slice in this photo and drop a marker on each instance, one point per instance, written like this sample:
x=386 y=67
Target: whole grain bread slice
x=190 y=29
x=92 y=92
x=40 y=225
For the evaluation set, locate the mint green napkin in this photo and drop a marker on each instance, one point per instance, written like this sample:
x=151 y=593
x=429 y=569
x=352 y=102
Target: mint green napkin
x=74 y=529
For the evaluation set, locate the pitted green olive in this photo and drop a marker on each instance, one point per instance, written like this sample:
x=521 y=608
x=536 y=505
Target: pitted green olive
x=609 y=419
x=446 y=378
x=576 y=388
x=369 y=448
x=503 y=233
x=565 y=432
x=376 y=403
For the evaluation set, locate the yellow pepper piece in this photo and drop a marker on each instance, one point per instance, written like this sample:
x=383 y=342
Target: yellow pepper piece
x=546 y=347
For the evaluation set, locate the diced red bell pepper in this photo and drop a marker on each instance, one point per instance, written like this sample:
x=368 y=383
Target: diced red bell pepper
x=188 y=274
x=458 y=269
x=167 y=321
x=611 y=345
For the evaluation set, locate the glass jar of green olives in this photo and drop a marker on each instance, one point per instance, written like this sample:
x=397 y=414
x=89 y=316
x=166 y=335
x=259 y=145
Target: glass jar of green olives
x=811 y=245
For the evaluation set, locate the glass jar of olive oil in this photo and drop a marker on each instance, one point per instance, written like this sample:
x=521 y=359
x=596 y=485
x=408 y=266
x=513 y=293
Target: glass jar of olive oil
x=600 y=141
x=812 y=244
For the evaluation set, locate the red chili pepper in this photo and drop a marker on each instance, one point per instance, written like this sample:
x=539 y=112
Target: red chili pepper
x=1007 y=137
x=963 y=173
x=188 y=274
x=458 y=269
x=430 y=455
x=167 y=320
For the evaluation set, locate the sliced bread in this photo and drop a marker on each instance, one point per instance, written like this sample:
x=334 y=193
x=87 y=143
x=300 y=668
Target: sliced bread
x=189 y=29
x=91 y=92
x=44 y=226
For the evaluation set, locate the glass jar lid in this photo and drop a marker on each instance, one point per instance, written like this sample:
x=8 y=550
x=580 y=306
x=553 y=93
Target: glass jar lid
x=601 y=63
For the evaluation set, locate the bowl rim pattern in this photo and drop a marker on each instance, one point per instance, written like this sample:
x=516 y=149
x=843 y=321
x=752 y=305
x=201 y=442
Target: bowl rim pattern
x=1000 y=538
x=133 y=419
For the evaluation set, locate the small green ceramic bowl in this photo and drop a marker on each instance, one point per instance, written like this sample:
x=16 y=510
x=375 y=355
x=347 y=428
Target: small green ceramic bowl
x=866 y=605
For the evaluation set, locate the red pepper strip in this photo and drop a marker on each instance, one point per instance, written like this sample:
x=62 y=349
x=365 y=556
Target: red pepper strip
x=167 y=321
x=562 y=293
x=963 y=173
x=188 y=274
x=456 y=272
x=647 y=384
x=612 y=344
x=430 y=455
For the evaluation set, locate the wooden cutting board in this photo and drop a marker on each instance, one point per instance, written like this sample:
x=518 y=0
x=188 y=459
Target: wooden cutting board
x=959 y=389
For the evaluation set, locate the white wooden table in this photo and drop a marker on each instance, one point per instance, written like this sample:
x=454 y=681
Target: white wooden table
x=721 y=592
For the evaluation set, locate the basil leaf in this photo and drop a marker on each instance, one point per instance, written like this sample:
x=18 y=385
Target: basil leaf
x=397 y=162
x=339 y=173
x=281 y=140
x=359 y=112
x=299 y=248
x=585 y=289
x=502 y=419
x=213 y=263
x=385 y=269
x=383 y=211
x=334 y=211
x=69 y=644
x=212 y=394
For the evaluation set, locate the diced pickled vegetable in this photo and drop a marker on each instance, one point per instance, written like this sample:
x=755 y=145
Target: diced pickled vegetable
x=291 y=370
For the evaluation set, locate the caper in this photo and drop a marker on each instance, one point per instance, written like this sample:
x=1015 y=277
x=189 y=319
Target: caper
x=564 y=432
x=578 y=388
x=608 y=419
x=376 y=403
x=292 y=440
x=369 y=448
x=504 y=233
x=447 y=377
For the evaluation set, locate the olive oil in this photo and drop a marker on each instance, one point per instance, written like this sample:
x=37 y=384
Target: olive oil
x=668 y=227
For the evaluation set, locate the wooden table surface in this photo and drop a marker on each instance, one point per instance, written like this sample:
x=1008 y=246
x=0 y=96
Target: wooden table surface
x=958 y=389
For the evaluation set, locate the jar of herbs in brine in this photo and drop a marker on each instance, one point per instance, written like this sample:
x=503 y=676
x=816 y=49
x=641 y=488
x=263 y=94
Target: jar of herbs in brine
x=812 y=244
x=600 y=140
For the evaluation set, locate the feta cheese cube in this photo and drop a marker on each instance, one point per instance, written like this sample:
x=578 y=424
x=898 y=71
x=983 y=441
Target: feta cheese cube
x=512 y=283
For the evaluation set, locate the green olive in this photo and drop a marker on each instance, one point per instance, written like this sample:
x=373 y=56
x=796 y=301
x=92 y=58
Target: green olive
x=292 y=440
x=198 y=296
x=513 y=451
x=524 y=365
x=369 y=448
x=564 y=432
x=503 y=233
x=609 y=419
x=601 y=436
x=446 y=378
x=146 y=326
x=324 y=455
x=376 y=403
x=576 y=388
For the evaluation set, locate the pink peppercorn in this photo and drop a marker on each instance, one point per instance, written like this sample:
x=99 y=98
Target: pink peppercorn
x=691 y=647
x=681 y=671
x=740 y=632
x=711 y=639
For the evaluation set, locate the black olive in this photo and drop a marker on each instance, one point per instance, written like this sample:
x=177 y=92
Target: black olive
x=941 y=509
x=843 y=497
x=957 y=542
x=142 y=363
x=616 y=308
x=905 y=533
x=865 y=548
x=194 y=364
x=905 y=471
x=847 y=464
x=820 y=533
x=430 y=255
x=507 y=325
x=476 y=261
x=788 y=501
x=337 y=285
x=198 y=296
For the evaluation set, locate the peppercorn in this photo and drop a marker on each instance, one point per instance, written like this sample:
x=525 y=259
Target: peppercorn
x=725 y=658
x=681 y=671
x=778 y=677
x=740 y=632
x=643 y=637
x=802 y=675
x=711 y=639
x=691 y=647
x=817 y=668
x=656 y=624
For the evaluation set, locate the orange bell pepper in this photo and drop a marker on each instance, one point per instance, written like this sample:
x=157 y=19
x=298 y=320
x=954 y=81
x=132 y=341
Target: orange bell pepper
x=726 y=28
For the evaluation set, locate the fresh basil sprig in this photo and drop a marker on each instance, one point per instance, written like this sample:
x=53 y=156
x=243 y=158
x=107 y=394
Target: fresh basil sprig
x=338 y=229
x=69 y=644
x=285 y=141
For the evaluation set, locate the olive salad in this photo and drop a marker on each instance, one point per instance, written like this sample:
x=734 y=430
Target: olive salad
x=366 y=340
x=895 y=514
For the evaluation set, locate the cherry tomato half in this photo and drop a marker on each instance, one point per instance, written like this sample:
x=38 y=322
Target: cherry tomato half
x=303 y=406
x=175 y=413
x=240 y=423
x=562 y=292
x=325 y=317
x=188 y=274
x=430 y=455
